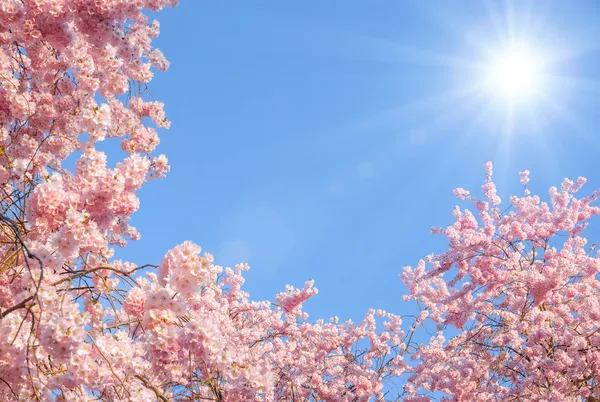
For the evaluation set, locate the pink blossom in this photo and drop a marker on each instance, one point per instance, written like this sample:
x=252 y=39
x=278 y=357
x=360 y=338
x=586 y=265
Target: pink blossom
x=520 y=287
x=134 y=302
x=524 y=177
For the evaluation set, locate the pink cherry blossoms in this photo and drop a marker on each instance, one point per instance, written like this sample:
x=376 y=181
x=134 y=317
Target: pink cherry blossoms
x=75 y=324
x=522 y=288
x=519 y=287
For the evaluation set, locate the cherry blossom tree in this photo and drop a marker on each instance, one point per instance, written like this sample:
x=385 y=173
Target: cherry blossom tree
x=518 y=286
x=521 y=289
x=77 y=324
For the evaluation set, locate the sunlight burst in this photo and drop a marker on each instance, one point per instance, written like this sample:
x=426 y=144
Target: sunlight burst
x=516 y=74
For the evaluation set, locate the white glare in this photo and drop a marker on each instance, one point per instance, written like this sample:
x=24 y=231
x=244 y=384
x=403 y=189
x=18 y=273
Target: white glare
x=515 y=74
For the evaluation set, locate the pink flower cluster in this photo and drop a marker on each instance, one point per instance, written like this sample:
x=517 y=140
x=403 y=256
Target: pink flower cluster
x=64 y=65
x=523 y=290
x=520 y=287
x=203 y=335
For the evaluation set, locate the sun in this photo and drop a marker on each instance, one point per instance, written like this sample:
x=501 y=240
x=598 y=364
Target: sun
x=515 y=74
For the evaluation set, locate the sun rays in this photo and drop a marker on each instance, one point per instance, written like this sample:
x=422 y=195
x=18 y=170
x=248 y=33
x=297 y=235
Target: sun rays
x=513 y=64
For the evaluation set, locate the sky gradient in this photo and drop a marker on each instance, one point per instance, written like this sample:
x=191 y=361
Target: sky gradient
x=322 y=140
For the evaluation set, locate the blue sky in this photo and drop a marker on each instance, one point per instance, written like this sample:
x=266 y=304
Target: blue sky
x=322 y=140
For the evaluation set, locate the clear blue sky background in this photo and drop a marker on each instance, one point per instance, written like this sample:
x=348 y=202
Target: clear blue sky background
x=322 y=140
